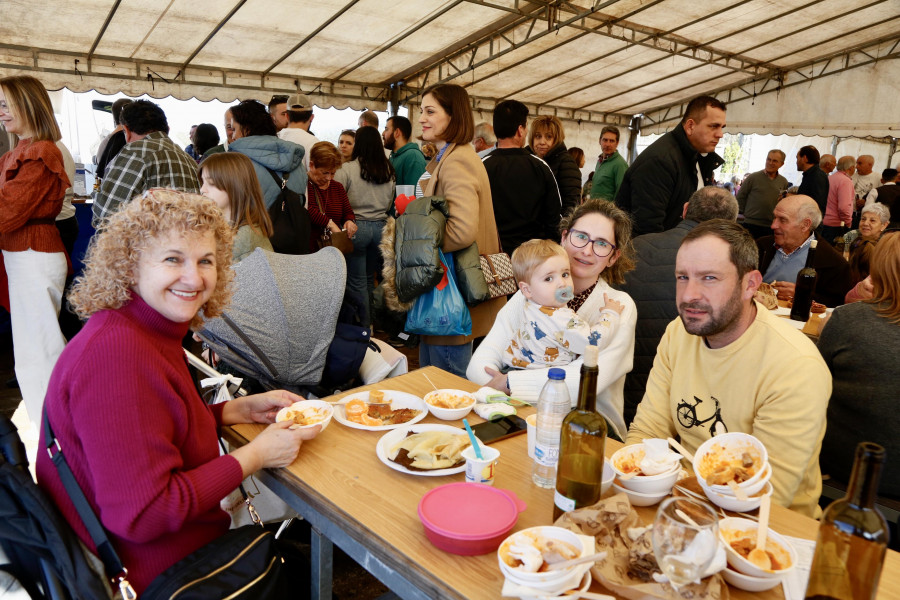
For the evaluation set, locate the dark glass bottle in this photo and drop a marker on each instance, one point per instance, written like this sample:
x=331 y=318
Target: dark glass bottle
x=805 y=287
x=582 y=442
x=853 y=536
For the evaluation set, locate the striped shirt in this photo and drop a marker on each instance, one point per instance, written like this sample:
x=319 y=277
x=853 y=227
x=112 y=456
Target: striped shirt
x=152 y=162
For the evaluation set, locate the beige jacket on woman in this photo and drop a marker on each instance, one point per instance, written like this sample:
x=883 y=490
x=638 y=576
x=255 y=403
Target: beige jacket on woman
x=461 y=179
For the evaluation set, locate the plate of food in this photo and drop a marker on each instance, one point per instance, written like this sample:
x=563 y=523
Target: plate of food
x=428 y=450
x=379 y=410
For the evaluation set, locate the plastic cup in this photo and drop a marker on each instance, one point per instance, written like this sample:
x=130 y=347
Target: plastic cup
x=406 y=190
x=531 y=421
x=481 y=470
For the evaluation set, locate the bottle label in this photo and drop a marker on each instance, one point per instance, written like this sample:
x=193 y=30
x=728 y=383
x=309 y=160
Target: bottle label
x=546 y=455
x=563 y=503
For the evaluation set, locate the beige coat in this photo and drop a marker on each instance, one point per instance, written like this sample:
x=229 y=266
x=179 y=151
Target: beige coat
x=461 y=179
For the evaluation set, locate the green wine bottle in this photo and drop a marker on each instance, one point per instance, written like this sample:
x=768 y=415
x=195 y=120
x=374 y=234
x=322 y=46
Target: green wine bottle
x=582 y=442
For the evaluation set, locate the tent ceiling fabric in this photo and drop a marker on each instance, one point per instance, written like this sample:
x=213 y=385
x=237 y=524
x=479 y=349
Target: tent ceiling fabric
x=589 y=61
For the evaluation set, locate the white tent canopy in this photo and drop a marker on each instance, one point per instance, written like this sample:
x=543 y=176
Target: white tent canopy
x=793 y=66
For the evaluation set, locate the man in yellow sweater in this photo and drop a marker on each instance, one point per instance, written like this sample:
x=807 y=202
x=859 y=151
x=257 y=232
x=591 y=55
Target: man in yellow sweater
x=728 y=364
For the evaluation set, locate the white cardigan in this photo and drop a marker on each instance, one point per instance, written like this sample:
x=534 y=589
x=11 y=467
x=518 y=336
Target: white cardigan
x=615 y=361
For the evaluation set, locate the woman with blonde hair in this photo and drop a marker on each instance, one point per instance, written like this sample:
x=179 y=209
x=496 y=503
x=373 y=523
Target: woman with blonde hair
x=139 y=440
x=33 y=182
x=861 y=346
x=547 y=141
x=230 y=181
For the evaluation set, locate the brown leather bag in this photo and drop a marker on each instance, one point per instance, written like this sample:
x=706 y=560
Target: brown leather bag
x=339 y=239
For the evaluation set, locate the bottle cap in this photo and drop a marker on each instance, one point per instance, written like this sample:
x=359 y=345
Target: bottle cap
x=556 y=374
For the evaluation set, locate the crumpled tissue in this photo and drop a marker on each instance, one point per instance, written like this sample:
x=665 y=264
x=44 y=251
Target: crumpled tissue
x=658 y=458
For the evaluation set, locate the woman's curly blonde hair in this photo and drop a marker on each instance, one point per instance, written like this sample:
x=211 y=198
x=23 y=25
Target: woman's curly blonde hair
x=112 y=259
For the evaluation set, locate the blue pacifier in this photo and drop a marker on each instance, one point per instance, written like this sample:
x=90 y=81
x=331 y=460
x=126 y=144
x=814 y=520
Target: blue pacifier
x=564 y=294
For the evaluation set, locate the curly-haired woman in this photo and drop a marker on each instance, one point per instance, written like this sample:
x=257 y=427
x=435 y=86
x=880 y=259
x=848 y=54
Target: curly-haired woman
x=138 y=438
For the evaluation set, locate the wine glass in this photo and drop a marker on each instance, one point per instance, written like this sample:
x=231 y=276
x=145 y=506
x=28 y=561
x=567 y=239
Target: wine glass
x=685 y=539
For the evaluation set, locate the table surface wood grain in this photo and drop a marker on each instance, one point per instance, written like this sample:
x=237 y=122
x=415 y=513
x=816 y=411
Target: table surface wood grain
x=339 y=474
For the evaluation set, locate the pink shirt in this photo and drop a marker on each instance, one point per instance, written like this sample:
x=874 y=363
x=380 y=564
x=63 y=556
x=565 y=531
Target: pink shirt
x=840 y=200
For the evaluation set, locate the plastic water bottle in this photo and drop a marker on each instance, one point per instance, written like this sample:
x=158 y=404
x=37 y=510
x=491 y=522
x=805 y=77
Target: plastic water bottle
x=553 y=406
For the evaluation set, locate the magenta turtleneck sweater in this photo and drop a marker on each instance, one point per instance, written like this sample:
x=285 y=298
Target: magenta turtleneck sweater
x=140 y=441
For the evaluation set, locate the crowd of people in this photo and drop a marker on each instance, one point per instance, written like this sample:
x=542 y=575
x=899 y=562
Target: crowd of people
x=652 y=262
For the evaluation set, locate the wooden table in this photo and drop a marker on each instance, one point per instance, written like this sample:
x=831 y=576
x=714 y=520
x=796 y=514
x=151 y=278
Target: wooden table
x=370 y=511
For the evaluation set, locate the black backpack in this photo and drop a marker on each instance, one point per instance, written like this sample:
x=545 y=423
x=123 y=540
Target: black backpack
x=347 y=349
x=41 y=547
x=290 y=220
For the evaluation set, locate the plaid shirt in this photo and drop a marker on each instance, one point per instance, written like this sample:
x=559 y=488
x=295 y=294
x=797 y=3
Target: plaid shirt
x=152 y=162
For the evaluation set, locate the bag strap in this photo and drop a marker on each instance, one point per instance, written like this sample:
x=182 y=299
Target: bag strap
x=112 y=564
x=278 y=180
x=259 y=353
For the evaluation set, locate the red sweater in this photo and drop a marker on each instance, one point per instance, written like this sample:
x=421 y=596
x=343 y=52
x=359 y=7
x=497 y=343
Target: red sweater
x=140 y=441
x=336 y=207
x=33 y=182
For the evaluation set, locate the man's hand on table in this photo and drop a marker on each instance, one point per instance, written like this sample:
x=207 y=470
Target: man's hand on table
x=785 y=289
x=258 y=408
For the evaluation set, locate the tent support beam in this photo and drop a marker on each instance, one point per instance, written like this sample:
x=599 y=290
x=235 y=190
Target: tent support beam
x=770 y=72
x=102 y=32
x=398 y=38
x=790 y=77
x=621 y=31
x=212 y=34
x=560 y=45
x=495 y=49
x=303 y=42
x=128 y=69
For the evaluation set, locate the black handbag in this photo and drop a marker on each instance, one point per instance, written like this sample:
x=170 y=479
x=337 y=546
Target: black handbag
x=291 y=226
x=244 y=563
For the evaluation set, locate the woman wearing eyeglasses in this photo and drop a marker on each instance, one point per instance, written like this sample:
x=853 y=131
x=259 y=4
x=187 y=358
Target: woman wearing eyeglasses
x=597 y=238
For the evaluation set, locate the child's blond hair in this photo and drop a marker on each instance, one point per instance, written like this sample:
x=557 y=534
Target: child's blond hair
x=530 y=255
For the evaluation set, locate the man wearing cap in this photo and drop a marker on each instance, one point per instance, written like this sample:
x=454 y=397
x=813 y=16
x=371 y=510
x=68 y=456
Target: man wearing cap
x=300 y=117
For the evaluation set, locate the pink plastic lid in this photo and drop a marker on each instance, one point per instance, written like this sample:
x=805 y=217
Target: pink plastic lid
x=470 y=510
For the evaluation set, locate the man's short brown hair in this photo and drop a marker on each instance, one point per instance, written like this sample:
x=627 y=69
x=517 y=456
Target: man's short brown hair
x=744 y=254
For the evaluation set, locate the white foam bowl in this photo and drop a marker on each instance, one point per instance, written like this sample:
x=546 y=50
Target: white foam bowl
x=730 y=446
x=638 y=499
x=449 y=414
x=609 y=473
x=749 y=583
x=750 y=489
x=548 y=580
x=318 y=404
x=584 y=586
x=733 y=504
x=642 y=484
x=732 y=528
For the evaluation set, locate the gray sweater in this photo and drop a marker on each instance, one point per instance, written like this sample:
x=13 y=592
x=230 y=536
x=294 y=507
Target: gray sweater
x=369 y=201
x=862 y=349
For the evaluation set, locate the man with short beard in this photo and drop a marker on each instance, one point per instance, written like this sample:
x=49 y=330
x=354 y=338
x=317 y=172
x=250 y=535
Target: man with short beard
x=729 y=364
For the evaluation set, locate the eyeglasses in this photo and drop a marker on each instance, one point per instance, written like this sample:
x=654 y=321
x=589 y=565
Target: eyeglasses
x=601 y=247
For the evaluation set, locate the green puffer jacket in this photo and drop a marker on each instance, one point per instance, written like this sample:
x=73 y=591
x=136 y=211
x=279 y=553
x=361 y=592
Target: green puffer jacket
x=410 y=247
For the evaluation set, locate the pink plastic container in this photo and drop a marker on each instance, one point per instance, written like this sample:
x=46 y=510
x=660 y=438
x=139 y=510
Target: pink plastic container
x=469 y=518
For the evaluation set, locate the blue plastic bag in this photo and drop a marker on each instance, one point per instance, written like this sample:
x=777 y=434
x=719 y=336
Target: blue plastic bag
x=441 y=310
